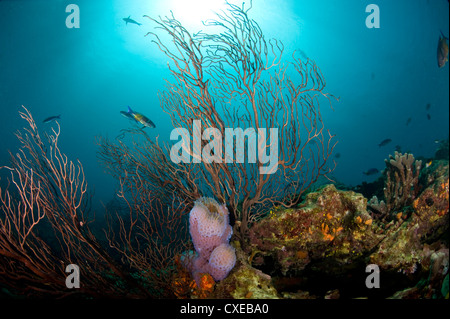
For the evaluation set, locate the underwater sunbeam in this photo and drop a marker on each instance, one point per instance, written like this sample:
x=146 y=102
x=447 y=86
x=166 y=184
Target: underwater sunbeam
x=194 y=11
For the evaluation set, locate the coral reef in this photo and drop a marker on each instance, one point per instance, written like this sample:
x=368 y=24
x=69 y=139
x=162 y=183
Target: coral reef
x=331 y=237
x=420 y=235
x=286 y=244
x=317 y=249
x=243 y=282
x=332 y=225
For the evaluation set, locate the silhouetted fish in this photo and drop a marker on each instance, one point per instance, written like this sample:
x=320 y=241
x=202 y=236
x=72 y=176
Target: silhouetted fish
x=385 y=142
x=51 y=118
x=128 y=20
x=428 y=106
x=337 y=155
x=429 y=116
x=371 y=171
x=408 y=121
x=442 y=51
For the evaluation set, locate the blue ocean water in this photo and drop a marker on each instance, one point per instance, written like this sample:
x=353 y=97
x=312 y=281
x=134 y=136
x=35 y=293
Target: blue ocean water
x=384 y=77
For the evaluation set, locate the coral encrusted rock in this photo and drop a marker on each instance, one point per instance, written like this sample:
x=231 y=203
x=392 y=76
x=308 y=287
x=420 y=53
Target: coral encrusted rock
x=330 y=224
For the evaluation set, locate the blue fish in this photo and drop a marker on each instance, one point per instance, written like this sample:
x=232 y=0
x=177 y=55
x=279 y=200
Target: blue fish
x=51 y=119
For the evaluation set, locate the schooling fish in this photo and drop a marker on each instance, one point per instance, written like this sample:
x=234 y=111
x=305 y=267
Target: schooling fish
x=371 y=171
x=51 y=118
x=442 y=51
x=385 y=142
x=128 y=20
x=138 y=117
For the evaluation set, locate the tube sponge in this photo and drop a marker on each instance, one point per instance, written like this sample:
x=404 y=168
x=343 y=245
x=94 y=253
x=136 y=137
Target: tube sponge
x=208 y=225
x=221 y=261
x=210 y=231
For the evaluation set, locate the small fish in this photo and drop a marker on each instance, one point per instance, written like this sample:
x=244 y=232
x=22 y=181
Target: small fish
x=442 y=51
x=429 y=116
x=371 y=171
x=128 y=20
x=338 y=155
x=428 y=106
x=385 y=142
x=138 y=117
x=428 y=164
x=51 y=119
x=408 y=121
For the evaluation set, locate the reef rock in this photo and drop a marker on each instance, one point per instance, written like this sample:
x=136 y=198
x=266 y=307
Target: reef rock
x=245 y=282
x=331 y=225
x=419 y=244
x=321 y=248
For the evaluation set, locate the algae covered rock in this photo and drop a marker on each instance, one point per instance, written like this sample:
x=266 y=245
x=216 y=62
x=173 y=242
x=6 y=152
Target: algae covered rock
x=330 y=224
x=245 y=282
x=251 y=283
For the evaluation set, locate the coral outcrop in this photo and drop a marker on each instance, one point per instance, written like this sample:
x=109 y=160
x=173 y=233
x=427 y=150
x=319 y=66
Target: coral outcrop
x=331 y=224
x=332 y=235
x=411 y=246
x=322 y=247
